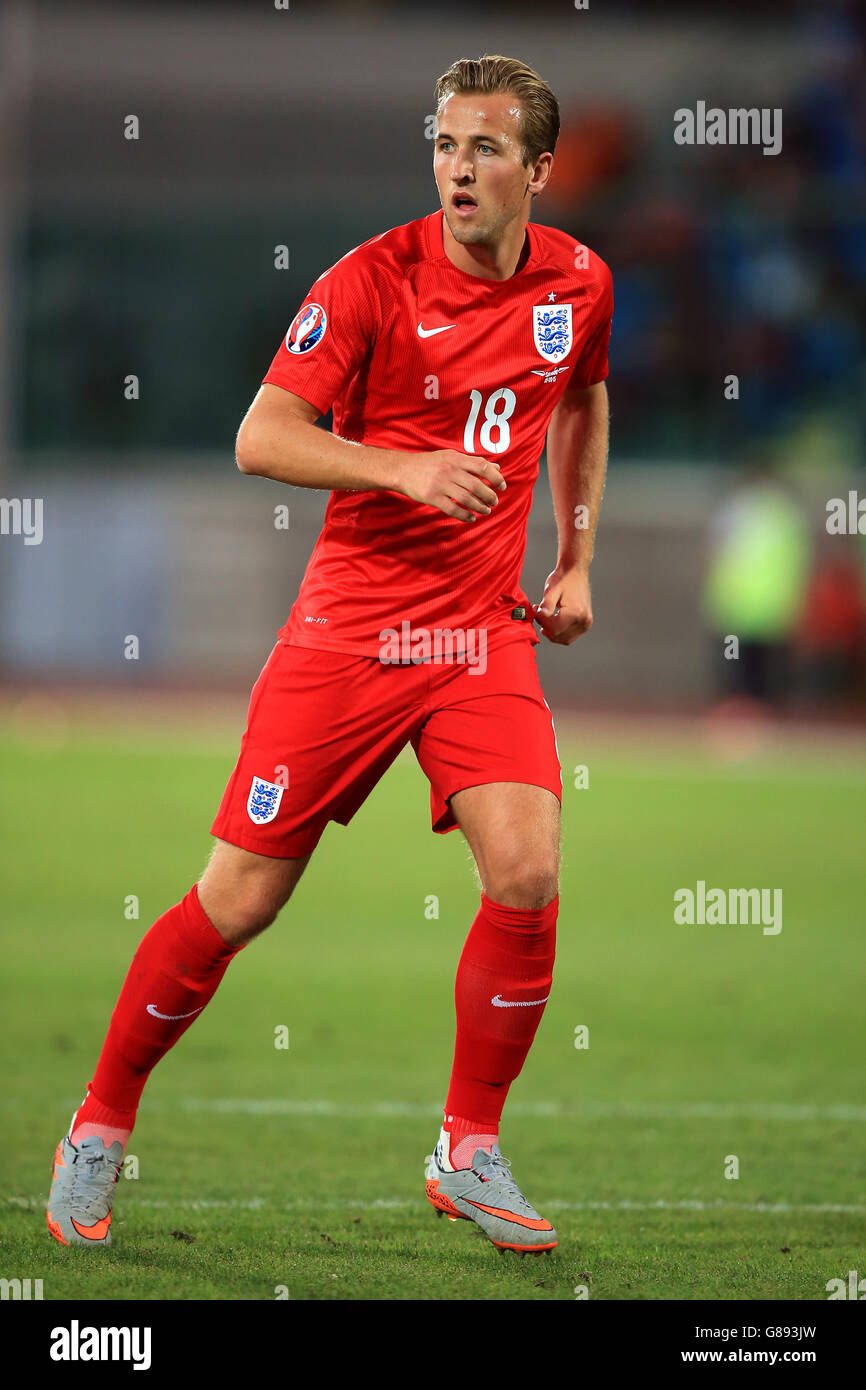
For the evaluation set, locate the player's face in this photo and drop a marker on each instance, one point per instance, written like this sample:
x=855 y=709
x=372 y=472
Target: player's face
x=478 y=163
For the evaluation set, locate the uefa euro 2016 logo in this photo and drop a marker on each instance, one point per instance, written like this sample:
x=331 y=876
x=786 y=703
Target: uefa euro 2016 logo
x=307 y=328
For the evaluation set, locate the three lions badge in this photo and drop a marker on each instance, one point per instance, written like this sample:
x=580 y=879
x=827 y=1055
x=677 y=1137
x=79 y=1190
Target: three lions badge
x=263 y=801
x=552 y=330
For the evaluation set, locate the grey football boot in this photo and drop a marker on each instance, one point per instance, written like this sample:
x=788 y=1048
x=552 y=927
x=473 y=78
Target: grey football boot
x=82 y=1190
x=487 y=1194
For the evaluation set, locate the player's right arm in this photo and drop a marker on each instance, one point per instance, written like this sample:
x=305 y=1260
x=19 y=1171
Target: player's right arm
x=279 y=439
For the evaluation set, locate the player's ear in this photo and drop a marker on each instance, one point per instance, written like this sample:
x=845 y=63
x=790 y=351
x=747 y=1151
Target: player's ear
x=544 y=162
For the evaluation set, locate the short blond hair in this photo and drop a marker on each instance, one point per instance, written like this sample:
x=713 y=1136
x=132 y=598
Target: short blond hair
x=539 y=120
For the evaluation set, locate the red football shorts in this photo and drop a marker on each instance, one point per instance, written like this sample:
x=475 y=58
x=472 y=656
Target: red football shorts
x=323 y=727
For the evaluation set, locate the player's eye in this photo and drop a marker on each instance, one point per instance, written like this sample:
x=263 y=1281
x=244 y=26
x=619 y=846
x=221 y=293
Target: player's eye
x=488 y=148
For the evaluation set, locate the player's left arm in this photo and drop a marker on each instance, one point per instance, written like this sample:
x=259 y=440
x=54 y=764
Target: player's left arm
x=577 y=446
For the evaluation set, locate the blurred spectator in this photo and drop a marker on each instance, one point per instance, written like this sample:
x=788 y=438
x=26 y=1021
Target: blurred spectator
x=595 y=148
x=755 y=588
x=832 y=634
x=730 y=262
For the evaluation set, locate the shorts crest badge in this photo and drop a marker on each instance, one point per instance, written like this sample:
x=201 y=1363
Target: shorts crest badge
x=263 y=801
x=552 y=330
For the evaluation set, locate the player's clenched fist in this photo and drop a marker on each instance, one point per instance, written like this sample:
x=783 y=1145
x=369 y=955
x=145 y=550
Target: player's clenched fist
x=459 y=485
x=565 y=611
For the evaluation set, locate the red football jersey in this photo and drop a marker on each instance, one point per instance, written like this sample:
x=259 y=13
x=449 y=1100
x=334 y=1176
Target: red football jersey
x=415 y=354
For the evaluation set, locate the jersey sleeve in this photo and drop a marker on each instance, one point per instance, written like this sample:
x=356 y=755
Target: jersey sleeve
x=592 y=364
x=330 y=335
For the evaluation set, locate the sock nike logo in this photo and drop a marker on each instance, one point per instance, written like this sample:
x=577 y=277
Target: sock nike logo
x=501 y=1003
x=152 y=1009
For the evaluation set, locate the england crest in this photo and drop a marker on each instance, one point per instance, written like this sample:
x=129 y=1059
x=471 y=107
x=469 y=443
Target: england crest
x=263 y=801
x=551 y=330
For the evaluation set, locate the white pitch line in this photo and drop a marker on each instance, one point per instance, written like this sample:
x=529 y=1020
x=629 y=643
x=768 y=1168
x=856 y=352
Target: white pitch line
x=310 y=1204
x=696 y=1204
x=637 y=1110
x=740 y=772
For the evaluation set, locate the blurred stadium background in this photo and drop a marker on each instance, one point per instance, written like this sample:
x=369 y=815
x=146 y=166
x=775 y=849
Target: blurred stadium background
x=306 y=129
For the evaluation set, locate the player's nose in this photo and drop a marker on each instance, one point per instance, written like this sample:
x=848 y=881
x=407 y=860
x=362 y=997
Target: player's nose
x=461 y=169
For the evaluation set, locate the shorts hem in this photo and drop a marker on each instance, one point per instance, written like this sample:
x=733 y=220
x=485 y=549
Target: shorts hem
x=287 y=850
x=439 y=827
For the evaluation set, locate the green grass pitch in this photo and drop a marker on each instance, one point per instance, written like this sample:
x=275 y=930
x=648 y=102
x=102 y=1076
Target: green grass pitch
x=265 y=1169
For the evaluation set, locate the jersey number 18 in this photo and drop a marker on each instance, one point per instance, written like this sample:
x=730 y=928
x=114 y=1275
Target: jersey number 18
x=497 y=412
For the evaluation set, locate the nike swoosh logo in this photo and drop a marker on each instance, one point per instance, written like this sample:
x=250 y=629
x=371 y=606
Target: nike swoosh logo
x=501 y=1003
x=152 y=1009
x=428 y=332
x=97 y=1232
x=531 y=1223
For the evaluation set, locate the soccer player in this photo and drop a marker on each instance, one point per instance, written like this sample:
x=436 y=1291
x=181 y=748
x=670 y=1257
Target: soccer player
x=449 y=349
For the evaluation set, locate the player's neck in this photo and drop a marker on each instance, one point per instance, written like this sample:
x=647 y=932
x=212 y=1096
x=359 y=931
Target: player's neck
x=498 y=262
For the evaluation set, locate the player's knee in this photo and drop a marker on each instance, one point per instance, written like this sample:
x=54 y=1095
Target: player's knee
x=240 y=908
x=252 y=912
x=242 y=893
x=525 y=881
x=239 y=916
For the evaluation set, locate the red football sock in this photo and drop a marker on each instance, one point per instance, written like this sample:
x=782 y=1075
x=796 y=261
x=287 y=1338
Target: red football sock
x=174 y=974
x=503 y=982
x=465 y=1136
